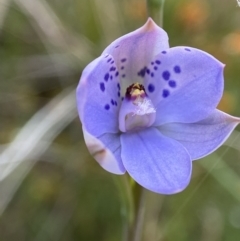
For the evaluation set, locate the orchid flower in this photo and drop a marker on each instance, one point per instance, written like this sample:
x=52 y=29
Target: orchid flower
x=150 y=110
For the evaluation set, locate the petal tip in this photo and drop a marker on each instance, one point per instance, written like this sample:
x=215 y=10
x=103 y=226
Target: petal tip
x=150 y=25
x=234 y=119
x=222 y=65
x=230 y=118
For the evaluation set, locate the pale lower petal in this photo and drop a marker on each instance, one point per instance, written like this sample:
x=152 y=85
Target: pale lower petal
x=133 y=51
x=203 y=137
x=156 y=162
x=106 y=150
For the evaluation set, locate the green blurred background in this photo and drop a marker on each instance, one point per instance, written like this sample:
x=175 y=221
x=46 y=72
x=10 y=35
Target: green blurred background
x=51 y=188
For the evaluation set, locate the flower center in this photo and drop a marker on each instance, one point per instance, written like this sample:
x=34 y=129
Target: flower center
x=137 y=110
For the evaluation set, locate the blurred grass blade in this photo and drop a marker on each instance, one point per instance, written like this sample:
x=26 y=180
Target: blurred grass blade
x=32 y=141
x=4 y=6
x=223 y=174
x=109 y=29
x=10 y=184
x=45 y=125
x=234 y=140
x=217 y=168
x=50 y=28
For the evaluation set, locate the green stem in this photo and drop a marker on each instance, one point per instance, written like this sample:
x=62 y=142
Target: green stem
x=127 y=204
x=140 y=217
x=148 y=8
x=139 y=194
x=162 y=13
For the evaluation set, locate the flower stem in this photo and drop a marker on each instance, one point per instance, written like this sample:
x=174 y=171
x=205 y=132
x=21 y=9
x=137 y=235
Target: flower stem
x=147 y=7
x=140 y=217
x=135 y=233
x=162 y=13
x=127 y=204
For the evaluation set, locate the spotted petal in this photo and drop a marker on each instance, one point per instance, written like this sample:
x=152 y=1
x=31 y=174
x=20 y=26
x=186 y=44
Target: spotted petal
x=134 y=50
x=106 y=150
x=98 y=97
x=185 y=84
x=156 y=162
x=203 y=137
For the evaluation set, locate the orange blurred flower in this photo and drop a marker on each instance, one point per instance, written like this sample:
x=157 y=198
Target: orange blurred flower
x=231 y=43
x=227 y=103
x=193 y=15
x=136 y=9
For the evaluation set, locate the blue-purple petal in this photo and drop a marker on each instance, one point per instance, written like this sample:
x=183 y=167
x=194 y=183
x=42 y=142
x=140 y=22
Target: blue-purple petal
x=156 y=162
x=97 y=90
x=188 y=85
x=203 y=137
x=133 y=51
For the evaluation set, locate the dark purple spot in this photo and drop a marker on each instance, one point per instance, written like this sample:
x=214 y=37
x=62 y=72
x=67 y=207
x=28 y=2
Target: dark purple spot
x=109 y=60
x=122 y=67
x=102 y=86
x=142 y=72
x=177 y=69
x=151 y=88
x=118 y=85
x=155 y=67
x=166 y=75
x=123 y=60
x=158 y=62
x=122 y=98
x=118 y=94
x=112 y=69
x=115 y=103
x=172 y=83
x=123 y=75
x=116 y=74
x=152 y=63
x=117 y=46
x=148 y=71
x=164 y=52
x=188 y=49
x=112 y=62
x=106 y=56
x=112 y=101
x=107 y=107
x=106 y=76
x=152 y=74
x=165 y=93
x=111 y=77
